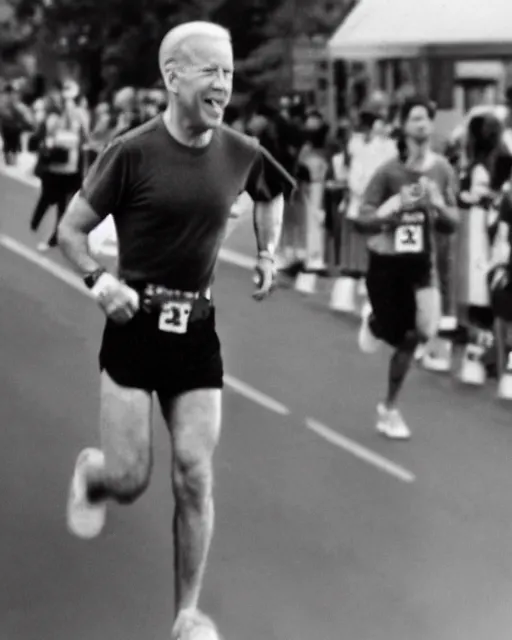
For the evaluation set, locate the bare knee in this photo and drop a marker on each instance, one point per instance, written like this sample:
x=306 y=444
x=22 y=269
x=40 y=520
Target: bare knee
x=126 y=439
x=428 y=312
x=195 y=426
x=128 y=476
x=127 y=485
x=193 y=480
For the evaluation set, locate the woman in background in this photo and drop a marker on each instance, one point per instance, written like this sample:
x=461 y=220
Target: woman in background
x=59 y=166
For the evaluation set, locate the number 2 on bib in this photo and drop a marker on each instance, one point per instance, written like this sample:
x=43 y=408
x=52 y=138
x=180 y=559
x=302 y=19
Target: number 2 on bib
x=174 y=317
x=409 y=238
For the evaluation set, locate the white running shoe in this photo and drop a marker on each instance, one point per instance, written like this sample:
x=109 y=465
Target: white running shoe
x=191 y=624
x=505 y=383
x=368 y=343
x=391 y=424
x=84 y=519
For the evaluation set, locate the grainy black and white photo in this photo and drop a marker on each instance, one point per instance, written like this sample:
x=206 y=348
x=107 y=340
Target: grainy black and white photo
x=256 y=319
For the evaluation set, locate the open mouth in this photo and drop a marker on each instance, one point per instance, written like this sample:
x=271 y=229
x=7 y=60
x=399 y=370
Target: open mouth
x=214 y=105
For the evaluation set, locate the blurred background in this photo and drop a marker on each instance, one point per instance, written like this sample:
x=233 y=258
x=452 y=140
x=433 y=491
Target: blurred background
x=320 y=83
x=324 y=530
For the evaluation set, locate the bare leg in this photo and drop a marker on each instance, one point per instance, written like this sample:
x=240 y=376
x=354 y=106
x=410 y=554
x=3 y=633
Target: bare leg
x=428 y=313
x=120 y=470
x=194 y=423
x=125 y=441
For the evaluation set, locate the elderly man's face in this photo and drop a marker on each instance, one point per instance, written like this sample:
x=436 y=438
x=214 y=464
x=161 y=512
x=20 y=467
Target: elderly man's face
x=204 y=82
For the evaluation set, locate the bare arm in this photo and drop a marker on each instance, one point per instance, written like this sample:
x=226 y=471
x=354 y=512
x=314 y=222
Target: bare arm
x=377 y=205
x=268 y=222
x=79 y=220
x=238 y=211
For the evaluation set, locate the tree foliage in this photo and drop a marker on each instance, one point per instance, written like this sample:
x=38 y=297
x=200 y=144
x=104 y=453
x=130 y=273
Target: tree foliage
x=115 y=42
x=14 y=36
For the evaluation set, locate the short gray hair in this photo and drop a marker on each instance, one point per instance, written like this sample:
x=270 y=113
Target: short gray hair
x=172 y=43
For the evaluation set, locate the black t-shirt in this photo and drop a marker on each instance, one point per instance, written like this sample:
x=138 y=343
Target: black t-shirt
x=171 y=203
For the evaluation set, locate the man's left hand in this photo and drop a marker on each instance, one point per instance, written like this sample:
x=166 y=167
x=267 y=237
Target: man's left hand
x=266 y=273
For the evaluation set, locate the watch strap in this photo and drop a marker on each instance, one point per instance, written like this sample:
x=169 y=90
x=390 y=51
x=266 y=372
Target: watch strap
x=91 y=278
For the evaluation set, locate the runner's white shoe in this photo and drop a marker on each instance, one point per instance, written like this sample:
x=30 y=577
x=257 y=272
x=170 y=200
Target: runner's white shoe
x=505 y=383
x=368 y=343
x=391 y=424
x=84 y=519
x=191 y=624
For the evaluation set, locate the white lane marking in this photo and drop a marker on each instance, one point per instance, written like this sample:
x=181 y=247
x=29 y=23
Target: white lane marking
x=75 y=282
x=17 y=174
x=237 y=259
x=359 y=451
x=253 y=394
x=225 y=255
x=45 y=263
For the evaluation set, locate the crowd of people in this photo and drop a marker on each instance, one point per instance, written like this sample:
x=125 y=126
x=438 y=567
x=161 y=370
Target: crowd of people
x=66 y=136
x=324 y=229
x=332 y=167
x=428 y=234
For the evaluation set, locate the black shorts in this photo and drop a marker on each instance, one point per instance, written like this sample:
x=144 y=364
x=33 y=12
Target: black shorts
x=139 y=355
x=392 y=282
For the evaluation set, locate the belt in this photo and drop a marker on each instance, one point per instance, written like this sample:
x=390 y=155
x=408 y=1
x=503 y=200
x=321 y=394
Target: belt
x=154 y=298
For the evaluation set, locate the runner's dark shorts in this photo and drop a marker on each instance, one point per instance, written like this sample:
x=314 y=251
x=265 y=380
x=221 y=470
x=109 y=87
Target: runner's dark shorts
x=392 y=282
x=139 y=355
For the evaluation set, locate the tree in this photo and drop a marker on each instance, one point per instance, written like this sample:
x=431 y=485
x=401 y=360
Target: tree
x=264 y=33
x=113 y=43
x=256 y=41
x=14 y=36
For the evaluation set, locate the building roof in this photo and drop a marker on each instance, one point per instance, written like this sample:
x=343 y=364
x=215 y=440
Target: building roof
x=407 y=28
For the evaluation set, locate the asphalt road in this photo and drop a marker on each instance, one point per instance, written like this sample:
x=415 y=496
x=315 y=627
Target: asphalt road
x=315 y=539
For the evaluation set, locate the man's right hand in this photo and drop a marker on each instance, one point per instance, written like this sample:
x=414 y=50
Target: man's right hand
x=119 y=301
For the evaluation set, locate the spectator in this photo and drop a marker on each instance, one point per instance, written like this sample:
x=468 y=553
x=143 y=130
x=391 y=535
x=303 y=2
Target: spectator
x=58 y=166
x=15 y=118
x=500 y=280
x=312 y=168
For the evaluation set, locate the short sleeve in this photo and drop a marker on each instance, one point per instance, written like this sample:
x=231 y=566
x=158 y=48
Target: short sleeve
x=104 y=186
x=268 y=179
x=376 y=192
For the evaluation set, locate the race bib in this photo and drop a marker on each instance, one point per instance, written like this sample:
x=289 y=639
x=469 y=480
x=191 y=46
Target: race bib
x=174 y=316
x=409 y=238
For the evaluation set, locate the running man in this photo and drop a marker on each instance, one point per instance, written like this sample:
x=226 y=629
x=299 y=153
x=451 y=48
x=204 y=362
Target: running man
x=408 y=201
x=169 y=185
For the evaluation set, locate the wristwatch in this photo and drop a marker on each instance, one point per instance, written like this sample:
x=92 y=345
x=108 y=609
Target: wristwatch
x=92 y=277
